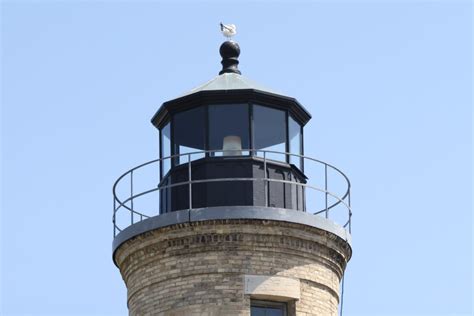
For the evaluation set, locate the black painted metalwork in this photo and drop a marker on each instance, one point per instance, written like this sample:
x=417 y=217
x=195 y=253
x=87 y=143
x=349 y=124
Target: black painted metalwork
x=230 y=52
x=210 y=194
x=299 y=113
x=202 y=128
x=200 y=176
x=123 y=205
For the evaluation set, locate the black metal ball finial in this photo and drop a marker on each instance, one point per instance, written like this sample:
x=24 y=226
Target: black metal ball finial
x=230 y=52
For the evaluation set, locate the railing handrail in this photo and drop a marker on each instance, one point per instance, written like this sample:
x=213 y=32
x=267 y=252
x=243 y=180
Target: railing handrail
x=252 y=153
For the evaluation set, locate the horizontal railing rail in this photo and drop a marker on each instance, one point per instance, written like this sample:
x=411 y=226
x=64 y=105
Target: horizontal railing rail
x=127 y=205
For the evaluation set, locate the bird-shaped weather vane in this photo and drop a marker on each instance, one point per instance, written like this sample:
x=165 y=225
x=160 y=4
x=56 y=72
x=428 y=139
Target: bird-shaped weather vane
x=228 y=30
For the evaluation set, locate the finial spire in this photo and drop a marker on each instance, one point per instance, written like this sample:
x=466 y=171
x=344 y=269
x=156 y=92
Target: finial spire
x=230 y=52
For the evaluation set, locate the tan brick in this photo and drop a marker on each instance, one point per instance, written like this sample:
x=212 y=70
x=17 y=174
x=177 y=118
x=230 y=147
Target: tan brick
x=199 y=268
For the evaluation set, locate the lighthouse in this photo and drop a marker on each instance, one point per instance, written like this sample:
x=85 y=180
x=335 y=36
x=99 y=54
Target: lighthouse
x=232 y=218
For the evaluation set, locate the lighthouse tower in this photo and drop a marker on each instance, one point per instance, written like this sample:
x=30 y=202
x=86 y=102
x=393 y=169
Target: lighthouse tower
x=232 y=218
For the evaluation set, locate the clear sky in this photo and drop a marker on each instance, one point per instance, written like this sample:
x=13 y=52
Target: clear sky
x=389 y=85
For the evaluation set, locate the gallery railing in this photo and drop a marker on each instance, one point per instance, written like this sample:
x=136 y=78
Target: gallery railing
x=138 y=199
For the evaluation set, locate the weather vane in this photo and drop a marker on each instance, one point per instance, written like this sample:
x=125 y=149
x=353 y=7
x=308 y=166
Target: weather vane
x=228 y=30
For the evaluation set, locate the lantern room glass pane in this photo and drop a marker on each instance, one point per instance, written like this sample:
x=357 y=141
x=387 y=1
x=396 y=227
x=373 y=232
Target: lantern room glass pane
x=269 y=126
x=165 y=148
x=229 y=129
x=189 y=134
x=294 y=130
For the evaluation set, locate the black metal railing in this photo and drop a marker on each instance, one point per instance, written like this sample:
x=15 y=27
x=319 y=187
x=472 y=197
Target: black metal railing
x=126 y=213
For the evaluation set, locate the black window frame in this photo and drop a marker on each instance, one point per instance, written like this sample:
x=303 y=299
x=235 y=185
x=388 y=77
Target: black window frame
x=270 y=304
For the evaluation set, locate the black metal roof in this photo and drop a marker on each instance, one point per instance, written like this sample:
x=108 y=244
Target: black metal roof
x=230 y=88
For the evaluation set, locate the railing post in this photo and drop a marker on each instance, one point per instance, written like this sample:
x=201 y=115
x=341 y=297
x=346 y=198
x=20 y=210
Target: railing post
x=303 y=188
x=190 y=184
x=265 y=181
x=350 y=209
x=113 y=216
x=131 y=195
x=326 y=188
x=349 y=197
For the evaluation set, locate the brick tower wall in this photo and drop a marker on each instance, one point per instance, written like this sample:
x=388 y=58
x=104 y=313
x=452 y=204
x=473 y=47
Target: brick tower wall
x=215 y=267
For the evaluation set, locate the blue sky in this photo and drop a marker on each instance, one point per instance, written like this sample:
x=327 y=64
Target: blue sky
x=389 y=85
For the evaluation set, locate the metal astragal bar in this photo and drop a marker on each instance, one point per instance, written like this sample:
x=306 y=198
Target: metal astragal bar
x=131 y=195
x=190 y=196
x=265 y=183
